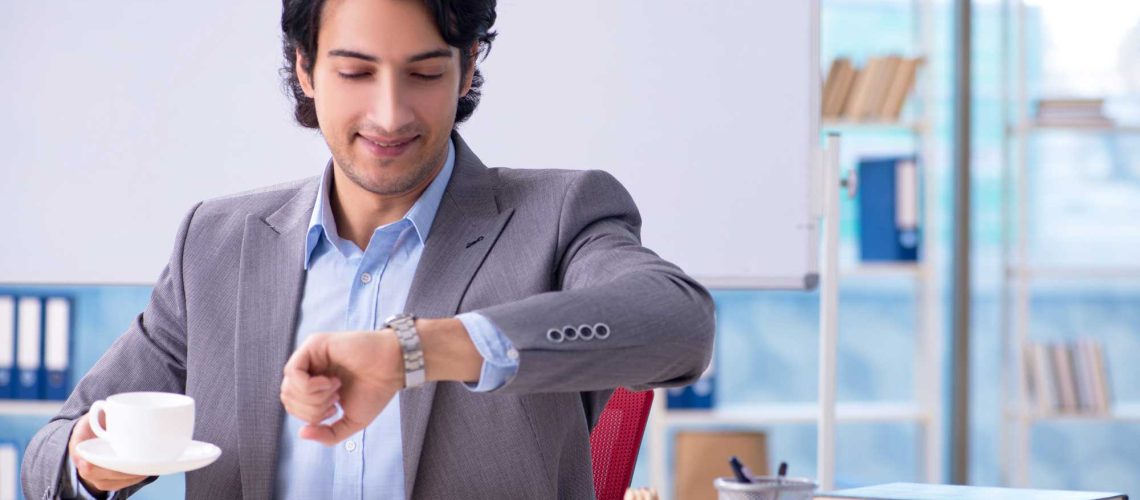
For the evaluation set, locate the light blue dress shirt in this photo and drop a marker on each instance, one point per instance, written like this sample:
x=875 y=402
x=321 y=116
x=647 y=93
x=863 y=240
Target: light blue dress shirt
x=349 y=289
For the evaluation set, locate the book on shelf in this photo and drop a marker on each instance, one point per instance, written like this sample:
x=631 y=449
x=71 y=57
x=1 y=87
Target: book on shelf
x=837 y=86
x=876 y=92
x=851 y=103
x=915 y=491
x=1066 y=378
x=1074 y=112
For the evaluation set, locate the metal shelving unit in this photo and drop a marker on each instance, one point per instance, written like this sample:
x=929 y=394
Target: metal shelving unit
x=925 y=410
x=1020 y=273
x=36 y=408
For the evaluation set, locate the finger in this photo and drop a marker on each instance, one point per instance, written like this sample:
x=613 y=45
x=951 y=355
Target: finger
x=311 y=389
x=333 y=433
x=115 y=485
x=291 y=397
x=82 y=431
x=313 y=413
x=100 y=477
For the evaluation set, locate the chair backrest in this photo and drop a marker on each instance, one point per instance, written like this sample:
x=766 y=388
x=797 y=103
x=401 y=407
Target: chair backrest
x=616 y=439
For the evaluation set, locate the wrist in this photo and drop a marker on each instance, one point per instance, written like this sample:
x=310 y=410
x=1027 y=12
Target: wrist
x=391 y=372
x=449 y=353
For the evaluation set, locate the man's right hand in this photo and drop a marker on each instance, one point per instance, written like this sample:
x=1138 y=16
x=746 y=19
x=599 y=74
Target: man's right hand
x=96 y=479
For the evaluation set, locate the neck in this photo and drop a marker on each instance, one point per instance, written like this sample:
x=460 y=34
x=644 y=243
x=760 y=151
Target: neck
x=358 y=212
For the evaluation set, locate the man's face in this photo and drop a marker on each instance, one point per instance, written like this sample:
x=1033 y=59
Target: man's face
x=386 y=86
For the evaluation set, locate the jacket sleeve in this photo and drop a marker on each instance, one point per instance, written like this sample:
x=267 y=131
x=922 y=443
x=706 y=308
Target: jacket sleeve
x=622 y=316
x=149 y=356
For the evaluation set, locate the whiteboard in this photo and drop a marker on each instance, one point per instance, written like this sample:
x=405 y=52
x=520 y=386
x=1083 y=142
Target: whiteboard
x=706 y=110
x=114 y=122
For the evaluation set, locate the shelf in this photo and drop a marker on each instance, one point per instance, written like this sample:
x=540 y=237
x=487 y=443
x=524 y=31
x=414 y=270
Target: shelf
x=1075 y=127
x=872 y=126
x=902 y=269
x=17 y=407
x=1124 y=412
x=797 y=413
x=1074 y=272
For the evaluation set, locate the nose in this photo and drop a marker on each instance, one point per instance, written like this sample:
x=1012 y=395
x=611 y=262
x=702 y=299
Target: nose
x=391 y=104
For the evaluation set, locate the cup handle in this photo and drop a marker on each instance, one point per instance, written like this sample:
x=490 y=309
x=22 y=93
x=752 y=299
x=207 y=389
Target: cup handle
x=93 y=419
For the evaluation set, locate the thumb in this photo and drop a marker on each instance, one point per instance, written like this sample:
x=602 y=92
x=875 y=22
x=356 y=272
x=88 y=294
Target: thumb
x=83 y=429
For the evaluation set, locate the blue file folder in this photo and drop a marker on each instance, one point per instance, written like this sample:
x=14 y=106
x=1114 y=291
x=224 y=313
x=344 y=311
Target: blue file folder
x=29 y=353
x=888 y=208
x=7 y=346
x=57 y=347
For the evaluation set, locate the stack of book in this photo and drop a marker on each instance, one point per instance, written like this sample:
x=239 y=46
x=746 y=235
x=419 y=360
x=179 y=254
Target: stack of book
x=1067 y=377
x=1072 y=113
x=875 y=93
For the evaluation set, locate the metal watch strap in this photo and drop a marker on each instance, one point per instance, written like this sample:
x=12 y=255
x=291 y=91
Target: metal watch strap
x=404 y=325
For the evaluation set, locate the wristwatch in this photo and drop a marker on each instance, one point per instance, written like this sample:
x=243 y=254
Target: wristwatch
x=405 y=326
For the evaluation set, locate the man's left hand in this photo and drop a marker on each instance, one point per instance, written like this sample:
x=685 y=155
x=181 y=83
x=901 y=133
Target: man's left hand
x=360 y=370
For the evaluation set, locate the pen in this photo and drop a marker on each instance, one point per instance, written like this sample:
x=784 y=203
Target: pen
x=738 y=470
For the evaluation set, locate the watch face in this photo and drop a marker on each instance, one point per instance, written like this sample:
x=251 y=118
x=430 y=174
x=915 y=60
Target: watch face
x=396 y=318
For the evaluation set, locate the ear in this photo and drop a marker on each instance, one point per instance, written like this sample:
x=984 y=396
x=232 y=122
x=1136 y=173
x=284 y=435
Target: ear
x=303 y=76
x=469 y=75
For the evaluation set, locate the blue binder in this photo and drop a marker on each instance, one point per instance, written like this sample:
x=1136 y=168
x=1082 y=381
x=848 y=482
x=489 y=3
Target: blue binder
x=7 y=346
x=9 y=469
x=888 y=209
x=57 y=347
x=29 y=353
x=699 y=394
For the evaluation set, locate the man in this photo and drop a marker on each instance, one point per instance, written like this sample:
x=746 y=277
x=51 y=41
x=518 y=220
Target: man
x=521 y=297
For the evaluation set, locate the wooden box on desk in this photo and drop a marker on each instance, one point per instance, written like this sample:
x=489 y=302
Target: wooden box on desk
x=702 y=456
x=913 y=491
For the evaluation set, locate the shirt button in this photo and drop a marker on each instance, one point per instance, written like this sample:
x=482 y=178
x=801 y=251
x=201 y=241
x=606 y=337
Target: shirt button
x=350 y=446
x=366 y=278
x=513 y=354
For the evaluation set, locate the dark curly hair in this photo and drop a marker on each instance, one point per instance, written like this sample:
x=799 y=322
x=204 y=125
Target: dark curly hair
x=462 y=23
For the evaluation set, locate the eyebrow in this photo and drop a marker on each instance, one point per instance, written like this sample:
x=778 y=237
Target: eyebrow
x=431 y=54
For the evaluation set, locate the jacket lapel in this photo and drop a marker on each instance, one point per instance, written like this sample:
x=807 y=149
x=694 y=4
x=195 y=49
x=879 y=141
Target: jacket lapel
x=271 y=279
x=466 y=226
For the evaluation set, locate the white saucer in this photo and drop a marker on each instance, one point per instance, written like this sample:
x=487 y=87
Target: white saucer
x=99 y=452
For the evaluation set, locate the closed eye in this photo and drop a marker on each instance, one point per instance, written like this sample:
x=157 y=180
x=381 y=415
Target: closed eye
x=353 y=76
x=423 y=76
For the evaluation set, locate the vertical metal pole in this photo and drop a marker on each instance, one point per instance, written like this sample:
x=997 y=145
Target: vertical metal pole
x=960 y=326
x=658 y=442
x=828 y=317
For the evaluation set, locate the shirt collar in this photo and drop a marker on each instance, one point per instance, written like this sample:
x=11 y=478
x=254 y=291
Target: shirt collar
x=421 y=215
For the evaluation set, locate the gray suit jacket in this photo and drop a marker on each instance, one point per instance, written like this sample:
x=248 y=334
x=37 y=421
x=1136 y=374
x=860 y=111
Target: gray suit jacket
x=539 y=253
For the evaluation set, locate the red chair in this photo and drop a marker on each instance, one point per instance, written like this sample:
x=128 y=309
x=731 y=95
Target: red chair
x=615 y=441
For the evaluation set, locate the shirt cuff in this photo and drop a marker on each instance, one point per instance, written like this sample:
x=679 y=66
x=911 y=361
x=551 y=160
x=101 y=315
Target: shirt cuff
x=80 y=490
x=500 y=359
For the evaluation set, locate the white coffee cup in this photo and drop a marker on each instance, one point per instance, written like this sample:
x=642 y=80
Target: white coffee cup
x=145 y=426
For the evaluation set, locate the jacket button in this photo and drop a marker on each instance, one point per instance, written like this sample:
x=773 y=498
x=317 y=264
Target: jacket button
x=555 y=335
x=601 y=331
x=586 y=332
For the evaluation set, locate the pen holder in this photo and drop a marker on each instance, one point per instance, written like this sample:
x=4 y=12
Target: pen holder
x=764 y=488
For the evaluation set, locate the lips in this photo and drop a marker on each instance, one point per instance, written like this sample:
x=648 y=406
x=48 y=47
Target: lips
x=387 y=147
x=389 y=143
